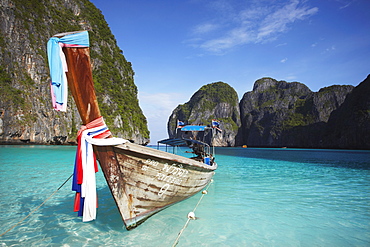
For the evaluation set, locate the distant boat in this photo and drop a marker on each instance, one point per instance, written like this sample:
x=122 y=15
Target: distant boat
x=142 y=180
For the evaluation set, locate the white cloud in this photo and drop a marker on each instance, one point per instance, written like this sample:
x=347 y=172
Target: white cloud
x=235 y=37
x=282 y=44
x=157 y=108
x=256 y=24
x=205 y=28
x=159 y=104
x=332 y=48
x=329 y=49
x=278 y=21
x=283 y=60
x=345 y=3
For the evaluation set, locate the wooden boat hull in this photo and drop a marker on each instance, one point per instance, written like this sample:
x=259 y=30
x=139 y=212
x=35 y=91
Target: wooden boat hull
x=144 y=181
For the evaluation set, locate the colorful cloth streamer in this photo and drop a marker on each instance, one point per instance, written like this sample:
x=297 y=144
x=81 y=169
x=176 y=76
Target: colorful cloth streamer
x=58 y=65
x=84 y=182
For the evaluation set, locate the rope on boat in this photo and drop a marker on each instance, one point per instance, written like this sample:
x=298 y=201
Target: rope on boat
x=191 y=215
x=37 y=207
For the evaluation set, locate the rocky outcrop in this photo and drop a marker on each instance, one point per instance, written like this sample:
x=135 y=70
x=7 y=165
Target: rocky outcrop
x=213 y=101
x=349 y=125
x=282 y=114
x=26 y=114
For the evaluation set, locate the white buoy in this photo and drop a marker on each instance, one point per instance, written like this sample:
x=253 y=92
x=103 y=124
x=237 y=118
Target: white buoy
x=204 y=192
x=191 y=215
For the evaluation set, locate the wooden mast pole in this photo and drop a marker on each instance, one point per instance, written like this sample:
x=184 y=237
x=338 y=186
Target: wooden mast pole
x=80 y=82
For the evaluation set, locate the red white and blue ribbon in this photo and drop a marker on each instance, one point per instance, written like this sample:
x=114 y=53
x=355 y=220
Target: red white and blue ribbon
x=58 y=65
x=84 y=182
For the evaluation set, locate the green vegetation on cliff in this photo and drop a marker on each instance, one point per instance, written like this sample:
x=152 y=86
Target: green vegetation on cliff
x=7 y=92
x=300 y=114
x=206 y=99
x=219 y=92
x=32 y=23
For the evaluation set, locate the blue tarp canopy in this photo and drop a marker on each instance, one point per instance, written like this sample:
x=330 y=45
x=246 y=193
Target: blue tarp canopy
x=180 y=142
x=173 y=142
x=193 y=128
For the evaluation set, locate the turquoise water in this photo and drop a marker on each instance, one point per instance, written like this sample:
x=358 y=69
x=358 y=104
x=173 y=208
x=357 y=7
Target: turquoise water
x=259 y=197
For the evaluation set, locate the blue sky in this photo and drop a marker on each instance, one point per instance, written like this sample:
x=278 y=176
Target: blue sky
x=177 y=46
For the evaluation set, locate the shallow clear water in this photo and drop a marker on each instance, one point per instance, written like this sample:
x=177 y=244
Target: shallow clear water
x=259 y=197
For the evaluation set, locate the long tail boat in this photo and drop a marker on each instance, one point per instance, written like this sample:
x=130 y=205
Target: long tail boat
x=142 y=180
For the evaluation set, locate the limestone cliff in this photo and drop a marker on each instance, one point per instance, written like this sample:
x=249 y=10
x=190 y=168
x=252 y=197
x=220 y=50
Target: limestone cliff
x=26 y=114
x=282 y=114
x=213 y=101
x=349 y=125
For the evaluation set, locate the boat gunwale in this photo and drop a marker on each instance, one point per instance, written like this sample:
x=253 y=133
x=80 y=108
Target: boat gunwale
x=163 y=155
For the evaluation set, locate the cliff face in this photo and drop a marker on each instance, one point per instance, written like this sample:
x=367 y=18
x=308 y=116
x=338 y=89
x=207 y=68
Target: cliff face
x=26 y=114
x=213 y=101
x=349 y=125
x=279 y=114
